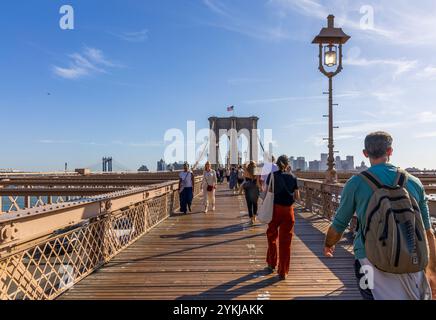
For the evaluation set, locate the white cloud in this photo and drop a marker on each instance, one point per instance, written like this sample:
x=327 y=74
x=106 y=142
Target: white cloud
x=73 y=72
x=429 y=73
x=244 y=81
x=51 y=141
x=347 y=94
x=431 y=134
x=402 y=23
x=217 y=7
x=149 y=144
x=230 y=19
x=309 y=8
x=400 y=65
x=90 y=61
x=426 y=117
x=133 y=36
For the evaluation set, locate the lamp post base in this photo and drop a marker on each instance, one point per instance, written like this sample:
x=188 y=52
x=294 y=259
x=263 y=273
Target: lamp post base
x=331 y=177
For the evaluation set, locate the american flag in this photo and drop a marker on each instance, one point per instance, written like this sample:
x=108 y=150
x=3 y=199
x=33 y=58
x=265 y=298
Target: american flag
x=231 y=108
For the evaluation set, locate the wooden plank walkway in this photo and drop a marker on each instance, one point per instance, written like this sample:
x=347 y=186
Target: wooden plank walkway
x=219 y=256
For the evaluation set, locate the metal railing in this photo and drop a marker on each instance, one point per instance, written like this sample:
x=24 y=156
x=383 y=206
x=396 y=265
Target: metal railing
x=324 y=199
x=320 y=198
x=27 y=191
x=44 y=251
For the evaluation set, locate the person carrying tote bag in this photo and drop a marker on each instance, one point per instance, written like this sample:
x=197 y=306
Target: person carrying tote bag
x=284 y=190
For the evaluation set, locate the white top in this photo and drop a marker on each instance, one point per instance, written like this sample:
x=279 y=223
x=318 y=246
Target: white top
x=389 y=286
x=241 y=173
x=209 y=178
x=267 y=169
x=186 y=179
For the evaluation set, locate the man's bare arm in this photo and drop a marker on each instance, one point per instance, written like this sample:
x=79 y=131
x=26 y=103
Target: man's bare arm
x=332 y=238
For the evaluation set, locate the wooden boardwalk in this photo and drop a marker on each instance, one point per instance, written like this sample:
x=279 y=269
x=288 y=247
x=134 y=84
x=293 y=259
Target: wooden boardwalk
x=219 y=256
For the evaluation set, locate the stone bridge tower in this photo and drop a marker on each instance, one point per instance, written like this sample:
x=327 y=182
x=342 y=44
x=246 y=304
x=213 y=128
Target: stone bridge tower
x=233 y=128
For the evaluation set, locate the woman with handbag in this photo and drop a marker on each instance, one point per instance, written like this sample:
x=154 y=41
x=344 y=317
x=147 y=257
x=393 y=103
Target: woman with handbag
x=209 y=187
x=251 y=186
x=285 y=189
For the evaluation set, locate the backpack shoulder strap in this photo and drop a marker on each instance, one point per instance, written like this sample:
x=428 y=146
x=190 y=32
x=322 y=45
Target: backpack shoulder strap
x=372 y=180
x=401 y=179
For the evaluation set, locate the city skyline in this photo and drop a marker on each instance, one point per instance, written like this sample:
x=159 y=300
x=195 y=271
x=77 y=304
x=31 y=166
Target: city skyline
x=126 y=74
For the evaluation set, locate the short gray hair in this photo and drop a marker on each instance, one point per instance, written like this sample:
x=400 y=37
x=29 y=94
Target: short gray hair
x=377 y=144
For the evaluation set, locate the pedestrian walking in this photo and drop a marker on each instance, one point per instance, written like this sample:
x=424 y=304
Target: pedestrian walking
x=251 y=186
x=209 y=187
x=186 y=189
x=281 y=227
x=394 y=246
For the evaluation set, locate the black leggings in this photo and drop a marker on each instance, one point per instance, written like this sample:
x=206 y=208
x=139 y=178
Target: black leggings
x=252 y=197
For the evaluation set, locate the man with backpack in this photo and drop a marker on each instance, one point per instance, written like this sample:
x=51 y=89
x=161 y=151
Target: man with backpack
x=395 y=246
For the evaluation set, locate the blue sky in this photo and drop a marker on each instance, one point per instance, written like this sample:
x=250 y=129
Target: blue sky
x=131 y=69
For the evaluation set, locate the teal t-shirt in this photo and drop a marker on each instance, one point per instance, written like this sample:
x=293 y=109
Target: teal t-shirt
x=357 y=193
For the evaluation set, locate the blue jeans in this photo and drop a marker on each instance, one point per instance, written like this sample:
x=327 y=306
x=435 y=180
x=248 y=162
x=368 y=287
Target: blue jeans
x=186 y=197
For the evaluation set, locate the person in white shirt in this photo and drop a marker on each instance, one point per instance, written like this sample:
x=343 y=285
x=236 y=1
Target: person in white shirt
x=186 y=189
x=209 y=187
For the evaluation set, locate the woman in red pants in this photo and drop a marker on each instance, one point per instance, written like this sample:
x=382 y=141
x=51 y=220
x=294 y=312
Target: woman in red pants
x=282 y=224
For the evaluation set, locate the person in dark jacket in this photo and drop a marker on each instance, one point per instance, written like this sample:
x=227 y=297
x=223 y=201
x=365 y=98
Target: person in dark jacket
x=233 y=183
x=251 y=186
x=282 y=225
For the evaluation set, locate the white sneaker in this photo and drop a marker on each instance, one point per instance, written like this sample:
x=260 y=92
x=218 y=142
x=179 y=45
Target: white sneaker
x=206 y=210
x=213 y=209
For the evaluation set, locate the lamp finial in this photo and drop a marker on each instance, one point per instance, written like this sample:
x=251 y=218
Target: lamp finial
x=331 y=21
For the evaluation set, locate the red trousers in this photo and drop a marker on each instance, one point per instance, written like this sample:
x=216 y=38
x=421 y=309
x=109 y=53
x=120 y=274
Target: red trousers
x=281 y=227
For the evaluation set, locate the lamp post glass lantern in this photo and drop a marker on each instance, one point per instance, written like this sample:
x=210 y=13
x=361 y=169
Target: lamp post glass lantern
x=330 y=41
x=330 y=56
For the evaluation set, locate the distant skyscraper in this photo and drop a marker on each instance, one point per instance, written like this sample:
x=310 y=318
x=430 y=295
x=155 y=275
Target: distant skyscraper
x=350 y=163
x=176 y=166
x=301 y=164
x=314 y=165
x=338 y=163
x=323 y=164
x=161 y=165
x=292 y=163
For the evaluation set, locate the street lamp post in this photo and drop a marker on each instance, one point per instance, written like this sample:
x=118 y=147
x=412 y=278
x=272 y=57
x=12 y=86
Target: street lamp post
x=330 y=42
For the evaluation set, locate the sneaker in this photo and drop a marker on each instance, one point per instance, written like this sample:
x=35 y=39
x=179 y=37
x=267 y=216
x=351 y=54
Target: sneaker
x=213 y=209
x=282 y=277
x=270 y=269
